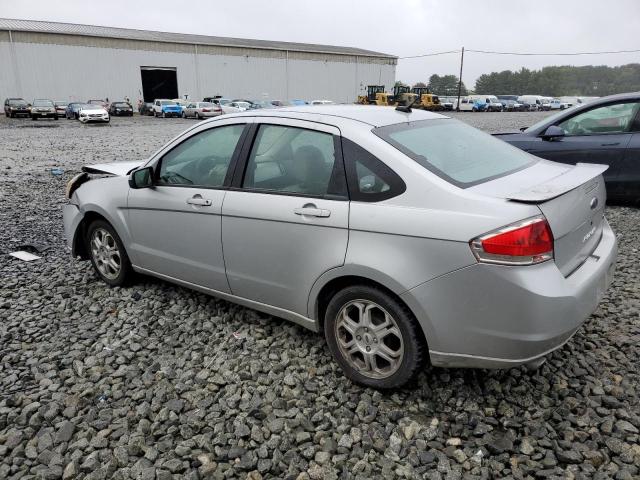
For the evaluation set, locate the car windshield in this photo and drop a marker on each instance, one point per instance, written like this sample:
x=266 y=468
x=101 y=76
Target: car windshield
x=167 y=102
x=120 y=104
x=206 y=104
x=455 y=151
x=223 y=101
x=91 y=107
x=17 y=103
x=61 y=104
x=42 y=103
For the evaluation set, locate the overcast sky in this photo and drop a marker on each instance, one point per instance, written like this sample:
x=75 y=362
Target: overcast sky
x=405 y=27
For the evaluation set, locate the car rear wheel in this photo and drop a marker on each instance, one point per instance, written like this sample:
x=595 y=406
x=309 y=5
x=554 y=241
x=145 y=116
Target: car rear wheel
x=197 y=116
x=373 y=337
x=108 y=256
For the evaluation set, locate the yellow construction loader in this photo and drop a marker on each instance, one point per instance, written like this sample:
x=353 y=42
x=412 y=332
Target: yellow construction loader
x=426 y=100
x=376 y=95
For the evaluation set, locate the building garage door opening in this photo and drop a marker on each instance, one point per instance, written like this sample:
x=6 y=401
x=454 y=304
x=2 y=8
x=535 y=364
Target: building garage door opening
x=159 y=82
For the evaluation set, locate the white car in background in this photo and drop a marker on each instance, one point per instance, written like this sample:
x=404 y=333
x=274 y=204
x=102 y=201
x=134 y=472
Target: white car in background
x=241 y=106
x=322 y=102
x=226 y=105
x=93 y=113
x=200 y=110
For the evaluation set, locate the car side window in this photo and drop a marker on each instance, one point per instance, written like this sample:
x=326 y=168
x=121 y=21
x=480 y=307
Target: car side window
x=615 y=118
x=369 y=179
x=294 y=160
x=201 y=160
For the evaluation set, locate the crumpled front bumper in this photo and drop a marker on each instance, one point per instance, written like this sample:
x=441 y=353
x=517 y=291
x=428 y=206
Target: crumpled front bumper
x=71 y=217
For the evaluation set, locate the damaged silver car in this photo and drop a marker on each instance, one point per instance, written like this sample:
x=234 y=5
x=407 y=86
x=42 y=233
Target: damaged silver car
x=404 y=236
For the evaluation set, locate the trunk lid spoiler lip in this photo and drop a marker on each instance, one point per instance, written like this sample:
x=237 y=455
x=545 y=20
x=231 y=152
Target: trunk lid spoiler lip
x=554 y=187
x=120 y=169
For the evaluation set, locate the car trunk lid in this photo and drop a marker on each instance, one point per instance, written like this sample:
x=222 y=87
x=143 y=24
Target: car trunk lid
x=571 y=197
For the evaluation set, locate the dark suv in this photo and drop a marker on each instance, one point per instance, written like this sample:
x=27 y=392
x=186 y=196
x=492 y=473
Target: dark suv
x=16 y=106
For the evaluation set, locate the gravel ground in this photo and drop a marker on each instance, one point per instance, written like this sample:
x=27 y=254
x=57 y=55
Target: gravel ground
x=156 y=381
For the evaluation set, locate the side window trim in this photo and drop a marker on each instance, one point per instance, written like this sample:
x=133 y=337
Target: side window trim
x=243 y=161
x=232 y=164
x=397 y=186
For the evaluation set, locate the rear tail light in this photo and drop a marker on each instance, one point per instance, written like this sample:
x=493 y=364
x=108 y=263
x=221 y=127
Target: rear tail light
x=206 y=110
x=523 y=243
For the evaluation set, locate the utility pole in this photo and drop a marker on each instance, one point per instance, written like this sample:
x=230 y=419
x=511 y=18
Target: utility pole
x=460 y=80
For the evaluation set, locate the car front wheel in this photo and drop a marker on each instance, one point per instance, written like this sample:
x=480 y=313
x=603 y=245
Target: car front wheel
x=108 y=256
x=373 y=337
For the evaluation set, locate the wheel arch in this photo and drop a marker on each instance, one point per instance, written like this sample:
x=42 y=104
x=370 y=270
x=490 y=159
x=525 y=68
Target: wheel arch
x=79 y=246
x=337 y=279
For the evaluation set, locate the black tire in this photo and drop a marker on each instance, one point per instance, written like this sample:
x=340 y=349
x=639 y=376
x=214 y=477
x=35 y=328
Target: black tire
x=126 y=272
x=414 y=354
x=164 y=115
x=197 y=116
x=33 y=117
x=56 y=117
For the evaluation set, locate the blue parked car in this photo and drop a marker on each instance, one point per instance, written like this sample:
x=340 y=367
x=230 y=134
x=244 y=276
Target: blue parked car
x=299 y=102
x=479 y=106
x=166 y=108
x=73 y=110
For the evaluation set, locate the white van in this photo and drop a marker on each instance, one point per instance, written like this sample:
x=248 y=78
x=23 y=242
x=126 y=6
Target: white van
x=493 y=103
x=466 y=104
x=533 y=102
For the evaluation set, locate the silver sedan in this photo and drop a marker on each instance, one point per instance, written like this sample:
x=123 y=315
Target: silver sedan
x=200 y=110
x=404 y=236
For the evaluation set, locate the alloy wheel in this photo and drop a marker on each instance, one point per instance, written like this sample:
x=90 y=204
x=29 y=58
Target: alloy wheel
x=106 y=253
x=369 y=339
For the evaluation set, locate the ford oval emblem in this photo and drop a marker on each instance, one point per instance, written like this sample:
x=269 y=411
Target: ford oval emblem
x=594 y=203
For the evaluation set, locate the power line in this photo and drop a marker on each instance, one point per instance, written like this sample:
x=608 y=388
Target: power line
x=528 y=54
x=430 y=54
x=552 y=54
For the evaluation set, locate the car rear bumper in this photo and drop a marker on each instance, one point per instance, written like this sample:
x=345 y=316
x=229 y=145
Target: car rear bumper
x=492 y=316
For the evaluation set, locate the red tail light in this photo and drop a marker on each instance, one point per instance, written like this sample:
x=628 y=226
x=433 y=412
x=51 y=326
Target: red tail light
x=523 y=243
x=206 y=110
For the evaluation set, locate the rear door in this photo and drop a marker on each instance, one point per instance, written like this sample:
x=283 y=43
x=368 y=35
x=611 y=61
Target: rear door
x=285 y=221
x=627 y=180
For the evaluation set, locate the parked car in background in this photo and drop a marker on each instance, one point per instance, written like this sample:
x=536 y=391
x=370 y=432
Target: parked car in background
x=493 y=104
x=556 y=104
x=532 y=103
x=61 y=107
x=43 y=108
x=121 y=109
x=447 y=103
x=16 y=106
x=73 y=110
x=182 y=102
x=512 y=106
x=298 y=102
x=92 y=112
x=259 y=104
x=605 y=131
x=504 y=271
x=201 y=110
x=166 y=108
x=322 y=102
x=146 y=108
x=240 y=105
x=212 y=99
x=470 y=104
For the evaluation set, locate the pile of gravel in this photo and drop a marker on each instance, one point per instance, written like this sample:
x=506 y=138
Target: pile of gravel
x=156 y=381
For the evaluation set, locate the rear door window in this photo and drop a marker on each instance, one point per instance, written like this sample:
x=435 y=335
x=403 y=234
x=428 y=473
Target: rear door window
x=462 y=155
x=293 y=160
x=615 y=118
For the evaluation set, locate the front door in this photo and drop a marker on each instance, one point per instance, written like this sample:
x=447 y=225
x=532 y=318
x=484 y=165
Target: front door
x=176 y=225
x=285 y=222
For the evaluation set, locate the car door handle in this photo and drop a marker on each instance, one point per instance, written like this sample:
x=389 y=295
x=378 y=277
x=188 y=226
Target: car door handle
x=312 y=212
x=611 y=144
x=198 y=200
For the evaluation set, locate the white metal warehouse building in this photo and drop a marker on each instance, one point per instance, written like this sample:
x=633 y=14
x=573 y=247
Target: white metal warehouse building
x=69 y=62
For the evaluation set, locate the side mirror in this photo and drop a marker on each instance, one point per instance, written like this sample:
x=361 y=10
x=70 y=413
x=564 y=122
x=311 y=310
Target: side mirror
x=553 y=132
x=142 y=178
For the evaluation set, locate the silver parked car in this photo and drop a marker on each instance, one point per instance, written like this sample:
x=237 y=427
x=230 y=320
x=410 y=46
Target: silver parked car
x=403 y=236
x=201 y=110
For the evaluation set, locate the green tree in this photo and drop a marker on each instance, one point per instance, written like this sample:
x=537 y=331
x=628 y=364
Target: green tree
x=446 y=85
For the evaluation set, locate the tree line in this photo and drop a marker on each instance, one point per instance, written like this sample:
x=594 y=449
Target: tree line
x=558 y=81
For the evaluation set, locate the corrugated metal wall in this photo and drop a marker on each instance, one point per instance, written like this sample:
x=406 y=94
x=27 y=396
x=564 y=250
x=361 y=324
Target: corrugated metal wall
x=61 y=67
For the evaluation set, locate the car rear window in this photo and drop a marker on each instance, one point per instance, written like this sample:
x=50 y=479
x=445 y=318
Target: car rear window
x=462 y=155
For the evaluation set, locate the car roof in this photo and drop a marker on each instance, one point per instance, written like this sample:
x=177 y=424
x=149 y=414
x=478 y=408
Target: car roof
x=369 y=114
